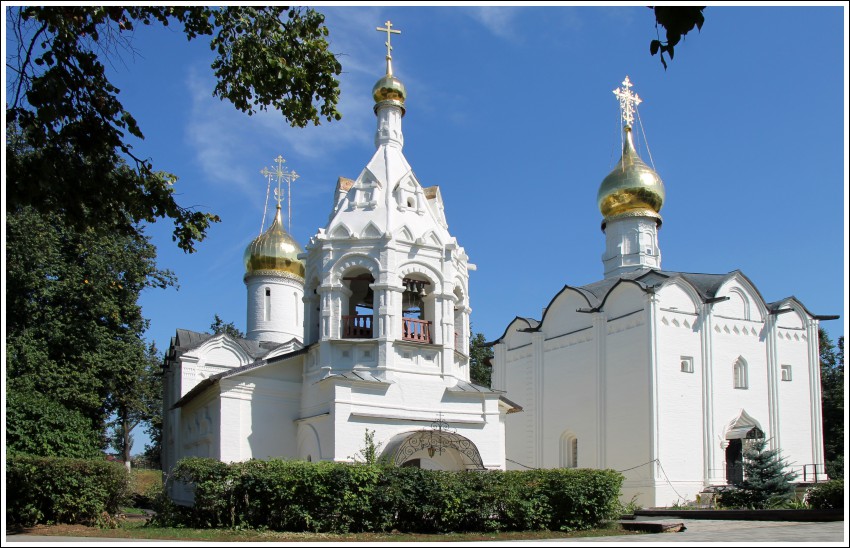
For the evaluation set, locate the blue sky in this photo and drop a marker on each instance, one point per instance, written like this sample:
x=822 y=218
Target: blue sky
x=510 y=112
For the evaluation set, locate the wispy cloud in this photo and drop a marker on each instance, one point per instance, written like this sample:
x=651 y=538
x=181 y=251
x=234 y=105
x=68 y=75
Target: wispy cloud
x=497 y=19
x=215 y=131
x=220 y=135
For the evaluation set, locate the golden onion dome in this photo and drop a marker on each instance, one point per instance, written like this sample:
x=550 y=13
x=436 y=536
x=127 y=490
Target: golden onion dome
x=389 y=88
x=632 y=188
x=274 y=252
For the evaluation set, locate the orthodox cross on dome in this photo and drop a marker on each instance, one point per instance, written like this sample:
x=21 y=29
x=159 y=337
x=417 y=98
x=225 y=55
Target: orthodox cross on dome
x=282 y=175
x=629 y=101
x=389 y=30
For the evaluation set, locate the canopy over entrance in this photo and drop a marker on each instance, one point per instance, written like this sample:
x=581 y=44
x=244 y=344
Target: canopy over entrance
x=434 y=444
x=745 y=433
x=743 y=427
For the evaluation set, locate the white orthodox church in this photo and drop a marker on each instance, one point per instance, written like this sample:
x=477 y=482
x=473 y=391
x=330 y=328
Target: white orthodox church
x=366 y=329
x=661 y=375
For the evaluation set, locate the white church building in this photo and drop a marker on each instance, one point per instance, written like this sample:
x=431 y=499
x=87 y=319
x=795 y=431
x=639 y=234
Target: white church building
x=364 y=330
x=661 y=375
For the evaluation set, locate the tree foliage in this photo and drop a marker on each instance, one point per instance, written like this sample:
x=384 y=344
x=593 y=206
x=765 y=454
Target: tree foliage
x=70 y=115
x=137 y=396
x=73 y=327
x=219 y=326
x=480 y=370
x=677 y=21
x=832 y=401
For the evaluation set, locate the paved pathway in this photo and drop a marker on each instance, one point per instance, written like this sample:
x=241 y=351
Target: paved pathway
x=698 y=531
x=738 y=532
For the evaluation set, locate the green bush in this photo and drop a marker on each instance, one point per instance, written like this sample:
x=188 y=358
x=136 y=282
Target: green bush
x=335 y=497
x=827 y=495
x=60 y=490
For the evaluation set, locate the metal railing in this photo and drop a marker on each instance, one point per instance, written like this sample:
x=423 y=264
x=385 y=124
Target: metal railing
x=810 y=472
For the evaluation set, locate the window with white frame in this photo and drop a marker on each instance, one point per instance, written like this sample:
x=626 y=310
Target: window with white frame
x=686 y=363
x=786 y=372
x=740 y=372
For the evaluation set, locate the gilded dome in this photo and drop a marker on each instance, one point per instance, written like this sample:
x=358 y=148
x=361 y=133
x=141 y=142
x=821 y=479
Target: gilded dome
x=632 y=187
x=274 y=252
x=389 y=88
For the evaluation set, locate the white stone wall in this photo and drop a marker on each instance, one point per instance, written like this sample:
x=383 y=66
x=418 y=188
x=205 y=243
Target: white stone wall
x=680 y=418
x=260 y=414
x=413 y=402
x=614 y=380
x=278 y=317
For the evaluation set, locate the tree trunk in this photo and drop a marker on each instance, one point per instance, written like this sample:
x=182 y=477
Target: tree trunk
x=125 y=424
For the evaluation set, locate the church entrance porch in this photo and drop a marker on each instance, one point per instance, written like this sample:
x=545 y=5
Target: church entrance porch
x=738 y=439
x=433 y=449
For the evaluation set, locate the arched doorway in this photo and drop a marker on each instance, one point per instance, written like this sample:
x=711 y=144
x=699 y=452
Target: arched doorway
x=738 y=432
x=433 y=449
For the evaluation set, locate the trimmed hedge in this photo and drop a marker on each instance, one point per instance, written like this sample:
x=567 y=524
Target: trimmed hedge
x=336 y=497
x=62 y=490
x=827 y=495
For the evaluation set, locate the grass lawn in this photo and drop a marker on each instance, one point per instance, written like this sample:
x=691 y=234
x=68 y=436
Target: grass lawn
x=136 y=529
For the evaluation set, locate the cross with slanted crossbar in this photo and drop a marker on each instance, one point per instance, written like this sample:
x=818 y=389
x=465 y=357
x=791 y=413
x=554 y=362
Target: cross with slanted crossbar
x=389 y=30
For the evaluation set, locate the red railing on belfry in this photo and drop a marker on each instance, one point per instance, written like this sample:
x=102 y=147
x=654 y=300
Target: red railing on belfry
x=357 y=327
x=416 y=330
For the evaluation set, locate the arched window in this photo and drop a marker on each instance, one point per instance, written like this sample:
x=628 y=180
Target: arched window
x=569 y=450
x=740 y=372
x=358 y=322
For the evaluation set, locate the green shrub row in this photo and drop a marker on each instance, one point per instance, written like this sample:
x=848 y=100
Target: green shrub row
x=827 y=495
x=61 y=490
x=335 y=497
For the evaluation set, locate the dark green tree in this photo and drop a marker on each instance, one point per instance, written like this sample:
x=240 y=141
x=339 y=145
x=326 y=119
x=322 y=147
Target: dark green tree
x=70 y=115
x=677 y=21
x=832 y=402
x=480 y=370
x=72 y=317
x=137 y=396
x=766 y=482
x=219 y=326
x=39 y=425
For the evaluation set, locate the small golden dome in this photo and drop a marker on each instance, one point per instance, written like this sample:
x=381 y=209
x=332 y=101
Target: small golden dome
x=632 y=186
x=389 y=88
x=274 y=252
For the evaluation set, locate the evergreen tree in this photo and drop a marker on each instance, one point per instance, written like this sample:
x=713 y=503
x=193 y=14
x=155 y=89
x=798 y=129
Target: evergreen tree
x=766 y=483
x=480 y=372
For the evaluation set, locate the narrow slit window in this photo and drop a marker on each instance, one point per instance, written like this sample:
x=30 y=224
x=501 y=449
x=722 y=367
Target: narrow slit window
x=740 y=373
x=687 y=364
x=268 y=304
x=786 y=372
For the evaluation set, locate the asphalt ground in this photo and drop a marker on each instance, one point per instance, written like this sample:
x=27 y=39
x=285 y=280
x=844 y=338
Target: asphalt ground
x=697 y=531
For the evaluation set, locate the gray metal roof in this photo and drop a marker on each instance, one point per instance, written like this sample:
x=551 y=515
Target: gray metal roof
x=648 y=279
x=214 y=379
x=357 y=376
x=463 y=386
